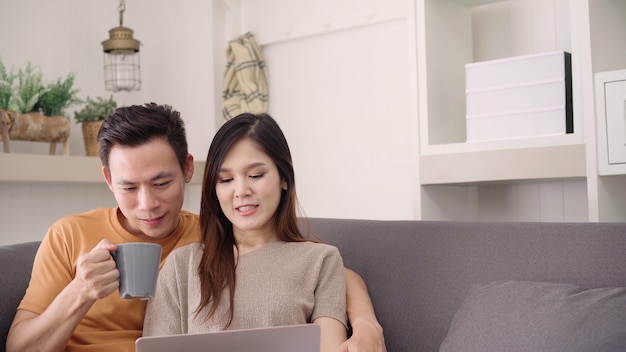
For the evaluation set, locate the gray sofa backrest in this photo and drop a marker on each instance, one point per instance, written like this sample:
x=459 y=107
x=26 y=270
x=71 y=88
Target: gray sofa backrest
x=418 y=272
x=16 y=263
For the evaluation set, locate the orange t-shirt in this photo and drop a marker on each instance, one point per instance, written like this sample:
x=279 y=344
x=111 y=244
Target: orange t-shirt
x=112 y=323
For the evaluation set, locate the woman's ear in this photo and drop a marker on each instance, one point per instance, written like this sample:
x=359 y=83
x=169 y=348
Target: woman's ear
x=284 y=185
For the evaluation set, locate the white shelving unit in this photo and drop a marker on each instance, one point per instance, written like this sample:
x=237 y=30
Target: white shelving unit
x=468 y=180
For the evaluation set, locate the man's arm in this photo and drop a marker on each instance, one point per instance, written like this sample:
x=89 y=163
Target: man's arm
x=96 y=277
x=367 y=333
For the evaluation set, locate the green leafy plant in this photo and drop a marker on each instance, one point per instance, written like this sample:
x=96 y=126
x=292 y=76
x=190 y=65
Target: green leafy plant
x=95 y=110
x=26 y=89
x=58 y=96
x=6 y=84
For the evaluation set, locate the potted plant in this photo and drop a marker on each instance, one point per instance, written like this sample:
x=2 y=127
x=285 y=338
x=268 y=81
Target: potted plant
x=58 y=96
x=6 y=84
x=26 y=89
x=91 y=117
x=33 y=111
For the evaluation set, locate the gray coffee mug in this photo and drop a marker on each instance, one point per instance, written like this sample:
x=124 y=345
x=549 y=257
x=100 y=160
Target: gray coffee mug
x=138 y=264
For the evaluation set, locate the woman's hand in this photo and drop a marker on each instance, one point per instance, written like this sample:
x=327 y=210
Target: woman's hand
x=367 y=337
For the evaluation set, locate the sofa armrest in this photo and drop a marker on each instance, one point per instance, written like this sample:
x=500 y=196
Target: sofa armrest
x=16 y=261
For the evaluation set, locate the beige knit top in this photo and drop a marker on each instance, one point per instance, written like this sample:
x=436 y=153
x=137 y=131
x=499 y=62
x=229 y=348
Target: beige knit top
x=280 y=283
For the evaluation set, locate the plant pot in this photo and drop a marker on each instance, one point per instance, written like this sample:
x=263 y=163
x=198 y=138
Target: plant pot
x=37 y=127
x=90 y=136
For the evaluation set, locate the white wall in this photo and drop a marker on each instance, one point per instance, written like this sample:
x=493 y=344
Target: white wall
x=28 y=209
x=339 y=80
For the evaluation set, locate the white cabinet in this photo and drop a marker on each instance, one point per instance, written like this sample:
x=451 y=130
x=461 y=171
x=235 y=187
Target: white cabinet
x=611 y=117
x=472 y=180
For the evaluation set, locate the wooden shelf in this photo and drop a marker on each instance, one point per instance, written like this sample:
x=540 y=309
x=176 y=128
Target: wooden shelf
x=58 y=168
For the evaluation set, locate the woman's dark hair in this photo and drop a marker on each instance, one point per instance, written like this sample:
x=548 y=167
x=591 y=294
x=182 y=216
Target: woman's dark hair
x=217 y=267
x=135 y=125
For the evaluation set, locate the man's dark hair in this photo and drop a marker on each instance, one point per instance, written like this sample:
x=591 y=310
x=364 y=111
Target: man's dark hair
x=135 y=125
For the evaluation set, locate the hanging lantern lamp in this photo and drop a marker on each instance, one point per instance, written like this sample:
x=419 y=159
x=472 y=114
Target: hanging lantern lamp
x=121 y=58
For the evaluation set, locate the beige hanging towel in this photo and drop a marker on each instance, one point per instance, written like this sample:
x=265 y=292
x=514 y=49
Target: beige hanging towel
x=245 y=80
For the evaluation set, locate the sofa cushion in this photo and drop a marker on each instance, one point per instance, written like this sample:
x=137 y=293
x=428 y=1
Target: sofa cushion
x=520 y=316
x=16 y=261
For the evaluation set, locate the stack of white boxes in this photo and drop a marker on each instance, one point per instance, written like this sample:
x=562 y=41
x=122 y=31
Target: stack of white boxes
x=524 y=96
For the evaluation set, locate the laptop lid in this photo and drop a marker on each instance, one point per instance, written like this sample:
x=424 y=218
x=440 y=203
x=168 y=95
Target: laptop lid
x=292 y=338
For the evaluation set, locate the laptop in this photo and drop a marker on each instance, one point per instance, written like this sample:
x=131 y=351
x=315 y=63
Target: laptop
x=291 y=338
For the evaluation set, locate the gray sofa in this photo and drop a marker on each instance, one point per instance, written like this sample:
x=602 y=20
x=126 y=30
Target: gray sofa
x=425 y=281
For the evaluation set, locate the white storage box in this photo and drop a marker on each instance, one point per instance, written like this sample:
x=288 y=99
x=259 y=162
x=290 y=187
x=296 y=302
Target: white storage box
x=519 y=97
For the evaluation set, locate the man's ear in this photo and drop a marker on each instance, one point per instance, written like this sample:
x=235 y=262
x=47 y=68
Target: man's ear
x=107 y=177
x=189 y=168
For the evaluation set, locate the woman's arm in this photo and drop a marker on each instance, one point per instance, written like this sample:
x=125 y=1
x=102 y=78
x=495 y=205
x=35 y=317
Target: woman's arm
x=333 y=333
x=367 y=333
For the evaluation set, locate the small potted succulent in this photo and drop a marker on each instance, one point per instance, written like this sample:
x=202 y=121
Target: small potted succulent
x=91 y=117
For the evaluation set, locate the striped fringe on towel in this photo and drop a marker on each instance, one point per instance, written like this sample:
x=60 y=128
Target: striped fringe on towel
x=245 y=80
